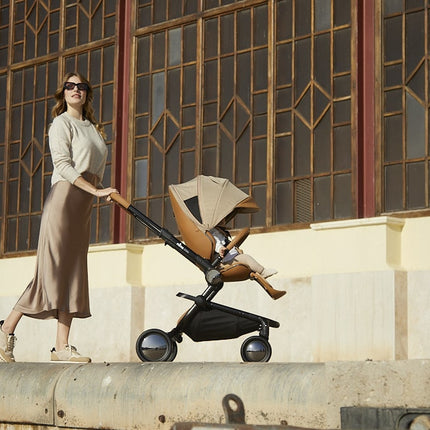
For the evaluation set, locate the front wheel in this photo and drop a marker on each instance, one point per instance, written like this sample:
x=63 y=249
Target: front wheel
x=256 y=349
x=156 y=345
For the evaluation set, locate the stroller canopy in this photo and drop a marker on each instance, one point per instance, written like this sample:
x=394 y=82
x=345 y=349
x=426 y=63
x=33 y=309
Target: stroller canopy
x=207 y=200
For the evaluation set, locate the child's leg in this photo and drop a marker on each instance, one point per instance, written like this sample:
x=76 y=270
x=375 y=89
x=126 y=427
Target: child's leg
x=258 y=268
x=254 y=265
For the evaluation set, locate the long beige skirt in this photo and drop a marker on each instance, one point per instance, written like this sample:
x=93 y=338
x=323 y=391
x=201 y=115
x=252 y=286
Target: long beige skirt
x=60 y=282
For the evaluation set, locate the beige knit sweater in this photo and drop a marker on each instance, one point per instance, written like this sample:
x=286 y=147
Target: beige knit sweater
x=76 y=147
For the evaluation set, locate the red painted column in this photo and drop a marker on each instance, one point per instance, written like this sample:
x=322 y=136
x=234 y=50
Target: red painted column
x=366 y=206
x=122 y=115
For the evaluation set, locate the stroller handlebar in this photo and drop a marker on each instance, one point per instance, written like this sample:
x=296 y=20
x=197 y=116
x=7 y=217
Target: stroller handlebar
x=120 y=200
x=212 y=275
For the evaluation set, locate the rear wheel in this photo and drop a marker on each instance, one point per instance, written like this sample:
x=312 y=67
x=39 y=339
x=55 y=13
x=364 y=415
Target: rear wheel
x=256 y=349
x=156 y=345
x=174 y=351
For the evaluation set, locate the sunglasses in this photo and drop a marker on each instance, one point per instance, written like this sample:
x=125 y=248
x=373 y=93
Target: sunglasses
x=82 y=86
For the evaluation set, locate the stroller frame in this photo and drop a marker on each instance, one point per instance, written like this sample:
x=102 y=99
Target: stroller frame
x=157 y=345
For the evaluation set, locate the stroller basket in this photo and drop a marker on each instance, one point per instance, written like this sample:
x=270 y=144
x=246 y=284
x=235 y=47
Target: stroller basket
x=218 y=325
x=214 y=321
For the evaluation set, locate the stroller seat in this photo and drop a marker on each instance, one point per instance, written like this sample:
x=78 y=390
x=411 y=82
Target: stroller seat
x=196 y=233
x=203 y=243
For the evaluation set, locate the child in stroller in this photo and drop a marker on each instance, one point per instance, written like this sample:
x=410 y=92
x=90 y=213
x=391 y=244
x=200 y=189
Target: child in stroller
x=235 y=255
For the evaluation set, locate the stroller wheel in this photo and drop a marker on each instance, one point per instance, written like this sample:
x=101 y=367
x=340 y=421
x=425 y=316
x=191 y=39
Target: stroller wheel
x=172 y=355
x=256 y=349
x=156 y=345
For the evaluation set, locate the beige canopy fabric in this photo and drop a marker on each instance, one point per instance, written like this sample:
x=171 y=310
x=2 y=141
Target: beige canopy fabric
x=207 y=200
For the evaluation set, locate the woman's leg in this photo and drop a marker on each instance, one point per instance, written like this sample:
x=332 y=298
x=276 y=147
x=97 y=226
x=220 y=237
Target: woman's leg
x=63 y=330
x=7 y=338
x=63 y=350
x=10 y=323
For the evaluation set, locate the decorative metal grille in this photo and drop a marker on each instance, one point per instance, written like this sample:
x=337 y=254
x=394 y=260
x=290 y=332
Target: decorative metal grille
x=36 y=29
x=89 y=21
x=150 y=12
x=259 y=93
x=165 y=120
x=405 y=105
x=4 y=32
x=313 y=98
x=235 y=93
x=37 y=43
x=29 y=165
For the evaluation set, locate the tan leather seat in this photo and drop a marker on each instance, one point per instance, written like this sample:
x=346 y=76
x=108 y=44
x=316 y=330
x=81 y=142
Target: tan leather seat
x=203 y=244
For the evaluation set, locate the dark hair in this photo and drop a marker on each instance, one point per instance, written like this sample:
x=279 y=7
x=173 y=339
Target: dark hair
x=87 y=110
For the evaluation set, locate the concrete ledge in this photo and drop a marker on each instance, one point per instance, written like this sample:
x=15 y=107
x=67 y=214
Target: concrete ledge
x=157 y=395
x=27 y=392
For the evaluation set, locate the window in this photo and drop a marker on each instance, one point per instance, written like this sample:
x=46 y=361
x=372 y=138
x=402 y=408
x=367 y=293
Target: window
x=405 y=105
x=260 y=94
x=267 y=93
x=313 y=112
x=38 y=60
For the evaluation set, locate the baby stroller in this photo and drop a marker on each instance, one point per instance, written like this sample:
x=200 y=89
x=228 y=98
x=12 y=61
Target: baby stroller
x=198 y=206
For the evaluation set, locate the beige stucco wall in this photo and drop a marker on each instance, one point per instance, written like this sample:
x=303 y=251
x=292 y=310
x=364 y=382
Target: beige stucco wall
x=357 y=290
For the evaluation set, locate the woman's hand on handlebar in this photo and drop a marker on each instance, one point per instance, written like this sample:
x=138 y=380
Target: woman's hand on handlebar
x=106 y=192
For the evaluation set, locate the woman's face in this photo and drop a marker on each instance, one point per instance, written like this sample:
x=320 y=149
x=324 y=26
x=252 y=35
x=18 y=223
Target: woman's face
x=75 y=97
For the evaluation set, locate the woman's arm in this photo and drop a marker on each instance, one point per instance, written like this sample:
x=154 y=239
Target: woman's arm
x=83 y=184
x=60 y=141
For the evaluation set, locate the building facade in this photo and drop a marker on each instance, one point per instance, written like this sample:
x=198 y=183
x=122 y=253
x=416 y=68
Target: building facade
x=317 y=108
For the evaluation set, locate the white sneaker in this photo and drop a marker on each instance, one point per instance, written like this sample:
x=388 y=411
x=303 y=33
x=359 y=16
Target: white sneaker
x=7 y=344
x=69 y=353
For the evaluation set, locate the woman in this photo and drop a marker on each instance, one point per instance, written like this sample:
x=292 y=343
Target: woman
x=59 y=288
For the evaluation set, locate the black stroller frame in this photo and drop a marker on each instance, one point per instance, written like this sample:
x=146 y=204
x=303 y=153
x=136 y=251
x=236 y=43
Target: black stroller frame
x=157 y=345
